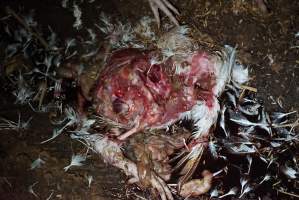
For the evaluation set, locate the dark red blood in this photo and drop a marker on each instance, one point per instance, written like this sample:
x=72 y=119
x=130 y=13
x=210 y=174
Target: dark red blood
x=133 y=92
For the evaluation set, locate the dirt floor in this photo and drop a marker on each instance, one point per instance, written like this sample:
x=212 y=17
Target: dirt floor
x=266 y=43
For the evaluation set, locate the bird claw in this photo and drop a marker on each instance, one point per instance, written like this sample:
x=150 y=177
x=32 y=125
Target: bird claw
x=162 y=188
x=166 y=7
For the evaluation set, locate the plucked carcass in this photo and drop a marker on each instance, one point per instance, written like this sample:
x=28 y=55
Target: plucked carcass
x=140 y=89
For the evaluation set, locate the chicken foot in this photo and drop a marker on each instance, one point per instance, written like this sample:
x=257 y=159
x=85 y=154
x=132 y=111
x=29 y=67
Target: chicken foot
x=166 y=7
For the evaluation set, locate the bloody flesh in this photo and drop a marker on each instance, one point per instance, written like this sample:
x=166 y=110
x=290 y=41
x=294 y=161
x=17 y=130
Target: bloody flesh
x=131 y=91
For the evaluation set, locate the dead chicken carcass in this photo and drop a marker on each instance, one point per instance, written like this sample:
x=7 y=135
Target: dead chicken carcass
x=152 y=89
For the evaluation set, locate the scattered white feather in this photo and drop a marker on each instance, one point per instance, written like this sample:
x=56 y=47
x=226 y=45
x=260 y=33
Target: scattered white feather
x=250 y=110
x=232 y=191
x=244 y=148
x=77 y=14
x=243 y=182
x=213 y=149
x=106 y=25
x=240 y=74
x=70 y=42
x=243 y=121
x=31 y=191
x=89 y=179
x=290 y=172
x=37 y=163
x=249 y=159
x=275 y=144
x=92 y=35
x=72 y=118
x=57 y=88
x=52 y=39
x=86 y=124
x=64 y=3
x=219 y=172
x=55 y=133
x=222 y=121
x=277 y=117
x=266 y=178
x=76 y=161
x=23 y=93
x=247 y=188
x=119 y=34
x=11 y=125
x=48 y=62
x=214 y=193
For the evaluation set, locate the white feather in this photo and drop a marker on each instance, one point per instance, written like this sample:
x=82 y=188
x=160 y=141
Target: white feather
x=64 y=3
x=290 y=172
x=55 y=133
x=232 y=191
x=266 y=178
x=92 y=35
x=11 y=125
x=204 y=117
x=214 y=193
x=89 y=179
x=144 y=28
x=223 y=67
x=30 y=189
x=77 y=14
x=23 y=93
x=240 y=74
x=76 y=161
x=37 y=163
x=69 y=43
